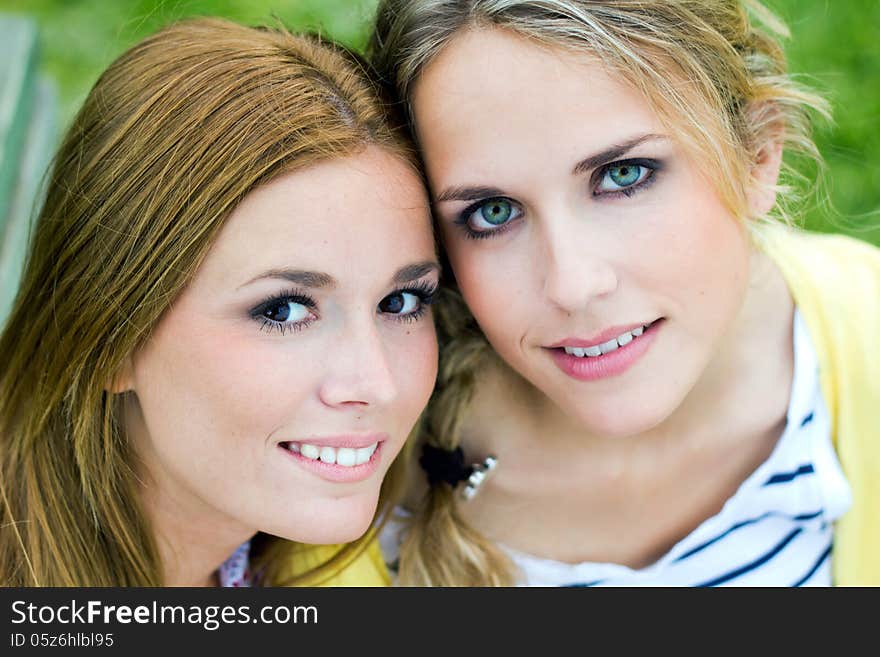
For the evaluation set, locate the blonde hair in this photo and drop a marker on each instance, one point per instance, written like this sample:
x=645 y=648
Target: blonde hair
x=175 y=133
x=714 y=73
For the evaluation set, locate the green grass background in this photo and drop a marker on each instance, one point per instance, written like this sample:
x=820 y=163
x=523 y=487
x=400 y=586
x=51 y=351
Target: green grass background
x=835 y=46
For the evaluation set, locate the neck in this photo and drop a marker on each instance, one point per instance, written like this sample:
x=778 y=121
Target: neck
x=191 y=546
x=191 y=543
x=192 y=536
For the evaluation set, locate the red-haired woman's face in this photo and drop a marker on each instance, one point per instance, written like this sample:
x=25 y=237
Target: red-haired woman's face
x=277 y=390
x=596 y=256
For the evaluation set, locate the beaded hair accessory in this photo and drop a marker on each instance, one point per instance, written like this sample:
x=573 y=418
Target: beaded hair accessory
x=447 y=466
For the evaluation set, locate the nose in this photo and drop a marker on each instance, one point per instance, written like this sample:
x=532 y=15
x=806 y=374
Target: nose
x=575 y=270
x=358 y=371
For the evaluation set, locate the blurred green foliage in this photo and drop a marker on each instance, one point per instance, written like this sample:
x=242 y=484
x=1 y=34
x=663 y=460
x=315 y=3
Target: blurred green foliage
x=835 y=47
x=80 y=38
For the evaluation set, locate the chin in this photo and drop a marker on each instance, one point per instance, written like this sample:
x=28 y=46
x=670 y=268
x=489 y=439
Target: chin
x=344 y=533
x=618 y=420
x=331 y=521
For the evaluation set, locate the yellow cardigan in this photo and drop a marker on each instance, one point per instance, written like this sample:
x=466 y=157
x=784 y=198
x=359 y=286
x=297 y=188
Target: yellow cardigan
x=835 y=282
x=367 y=568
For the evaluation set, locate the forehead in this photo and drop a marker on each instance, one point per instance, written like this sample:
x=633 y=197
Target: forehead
x=343 y=216
x=491 y=89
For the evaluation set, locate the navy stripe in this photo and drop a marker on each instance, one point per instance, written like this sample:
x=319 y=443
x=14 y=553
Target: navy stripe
x=807 y=419
x=583 y=585
x=809 y=516
x=812 y=570
x=784 y=477
x=703 y=546
x=755 y=564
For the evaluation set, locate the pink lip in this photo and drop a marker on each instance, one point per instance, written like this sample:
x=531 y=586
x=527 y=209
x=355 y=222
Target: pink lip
x=597 y=339
x=607 y=365
x=352 y=440
x=340 y=473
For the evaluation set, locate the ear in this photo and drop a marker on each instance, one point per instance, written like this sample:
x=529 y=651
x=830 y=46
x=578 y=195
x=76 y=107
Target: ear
x=123 y=381
x=765 y=174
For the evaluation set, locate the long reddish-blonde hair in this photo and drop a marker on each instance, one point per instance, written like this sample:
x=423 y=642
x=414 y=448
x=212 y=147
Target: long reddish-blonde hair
x=172 y=136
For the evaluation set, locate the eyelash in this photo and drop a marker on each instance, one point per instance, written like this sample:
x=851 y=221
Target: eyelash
x=424 y=290
x=464 y=216
x=295 y=296
x=653 y=166
x=599 y=174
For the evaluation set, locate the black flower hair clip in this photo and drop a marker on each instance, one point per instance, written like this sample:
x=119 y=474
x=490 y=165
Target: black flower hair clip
x=447 y=466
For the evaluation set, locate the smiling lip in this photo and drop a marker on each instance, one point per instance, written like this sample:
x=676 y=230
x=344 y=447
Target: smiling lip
x=607 y=365
x=338 y=473
x=597 y=339
x=352 y=440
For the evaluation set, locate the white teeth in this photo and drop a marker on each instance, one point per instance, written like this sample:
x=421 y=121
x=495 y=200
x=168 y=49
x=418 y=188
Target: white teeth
x=606 y=347
x=328 y=455
x=364 y=454
x=609 y=346
x=345 y=456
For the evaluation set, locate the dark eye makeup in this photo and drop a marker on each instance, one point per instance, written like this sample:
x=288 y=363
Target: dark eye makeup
x=293 y=310
x=624 y=177
x=410 y=303
x=497 y=211
x=275 y=312
x=491 y=217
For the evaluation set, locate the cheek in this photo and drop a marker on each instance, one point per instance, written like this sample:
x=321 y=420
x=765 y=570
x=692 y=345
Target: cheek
x=414 y=368
x=494 y=283
x=215 y=387
x=715 y=250
x=696 y=256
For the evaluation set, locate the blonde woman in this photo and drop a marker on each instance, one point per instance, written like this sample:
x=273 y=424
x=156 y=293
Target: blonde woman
x=657 y=383
x=222 y=338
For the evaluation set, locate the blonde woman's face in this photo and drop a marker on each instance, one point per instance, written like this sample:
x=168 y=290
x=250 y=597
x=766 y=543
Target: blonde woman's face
x=278 y=388
x=596 y=257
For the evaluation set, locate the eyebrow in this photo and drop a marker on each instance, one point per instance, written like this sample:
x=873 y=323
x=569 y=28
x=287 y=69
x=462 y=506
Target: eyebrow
x=612 y=153
x=415 y=271
x=319 y=280
x=467 y=193
x=313 y=279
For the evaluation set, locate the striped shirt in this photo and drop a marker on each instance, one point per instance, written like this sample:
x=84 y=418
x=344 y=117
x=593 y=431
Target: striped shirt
x=776 y=530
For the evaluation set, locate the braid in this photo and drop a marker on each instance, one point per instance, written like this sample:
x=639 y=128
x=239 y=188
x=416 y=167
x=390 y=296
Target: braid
x=440 y=548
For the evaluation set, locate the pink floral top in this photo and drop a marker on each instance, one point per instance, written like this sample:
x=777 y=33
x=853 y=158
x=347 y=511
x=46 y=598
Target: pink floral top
x=235 y=571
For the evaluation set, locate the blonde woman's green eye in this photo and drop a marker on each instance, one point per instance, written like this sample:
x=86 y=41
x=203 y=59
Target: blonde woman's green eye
x=496 y=212
x=625 y=176
x=489 y=216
